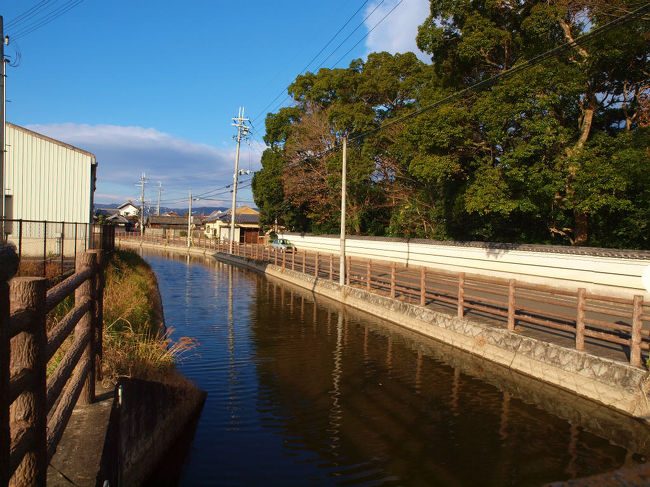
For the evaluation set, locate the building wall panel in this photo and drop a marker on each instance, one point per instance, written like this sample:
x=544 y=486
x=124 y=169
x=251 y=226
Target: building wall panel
x=48 y=180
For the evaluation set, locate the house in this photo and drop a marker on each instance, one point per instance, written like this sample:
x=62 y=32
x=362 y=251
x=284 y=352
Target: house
x=170 y=226
x=247 y=227
x=46 y=179
x=128 y=209
x=112 y=216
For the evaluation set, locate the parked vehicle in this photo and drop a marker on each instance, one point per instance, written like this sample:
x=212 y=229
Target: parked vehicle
x=283 y=245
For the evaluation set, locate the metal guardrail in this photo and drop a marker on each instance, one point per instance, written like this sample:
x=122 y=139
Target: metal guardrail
x=616 y=321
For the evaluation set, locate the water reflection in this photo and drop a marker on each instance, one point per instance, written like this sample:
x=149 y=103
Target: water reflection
x=302 y=390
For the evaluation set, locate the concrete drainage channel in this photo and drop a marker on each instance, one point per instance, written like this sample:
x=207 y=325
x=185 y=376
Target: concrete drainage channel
x=608 y=382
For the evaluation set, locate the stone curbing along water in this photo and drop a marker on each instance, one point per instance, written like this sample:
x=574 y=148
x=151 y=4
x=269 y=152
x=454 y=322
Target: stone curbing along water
x=605 y=381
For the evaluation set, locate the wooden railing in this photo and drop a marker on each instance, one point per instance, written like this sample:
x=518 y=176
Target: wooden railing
x=36 y=407
x=577 y=314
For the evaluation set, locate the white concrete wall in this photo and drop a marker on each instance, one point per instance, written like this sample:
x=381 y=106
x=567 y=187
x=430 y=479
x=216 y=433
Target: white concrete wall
x=612 y=276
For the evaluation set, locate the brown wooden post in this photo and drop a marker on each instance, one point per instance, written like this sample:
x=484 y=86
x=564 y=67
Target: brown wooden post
x=392 y=279
x=368 y=274
x=511 y=304
x=284 y=258
x=635 y=342
x=349 y=270
x=85 y=326
x=331 y=267
x=293 y=260
x=423 y=286
x=461 y=294
x=98 y=323
x=29 y=351
x=304 y=262
x=580 y=319
x=275 y=256
x=316 y=264
x=8 y=268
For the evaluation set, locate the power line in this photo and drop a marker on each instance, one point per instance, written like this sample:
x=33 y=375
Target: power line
x=27 y=13
x=368 y=33
x=315 y=57
x=343 y=42
x=51 y=16
x=588 y=37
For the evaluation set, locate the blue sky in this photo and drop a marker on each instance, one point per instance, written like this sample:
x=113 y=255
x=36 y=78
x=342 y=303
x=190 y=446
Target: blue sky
x=152 y=86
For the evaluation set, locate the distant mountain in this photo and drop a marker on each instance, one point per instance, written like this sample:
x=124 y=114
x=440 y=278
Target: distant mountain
x=206 y=210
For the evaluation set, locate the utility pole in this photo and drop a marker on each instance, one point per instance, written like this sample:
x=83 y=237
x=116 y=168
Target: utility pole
x=343 y=191
x=143 y=180
x=189 y=223
x=242 y=131
x=159 y=191
x=3 y=144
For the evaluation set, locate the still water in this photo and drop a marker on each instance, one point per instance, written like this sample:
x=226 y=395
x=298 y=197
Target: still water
x=302 y=391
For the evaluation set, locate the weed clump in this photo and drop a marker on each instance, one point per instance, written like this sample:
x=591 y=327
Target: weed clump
x=136 y=343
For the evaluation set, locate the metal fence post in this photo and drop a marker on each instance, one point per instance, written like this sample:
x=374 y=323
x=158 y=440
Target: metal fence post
x=331 y=267
x=293 y=260
x=8 y=268
x=393 y=271
x=62 y=247
x=580 y=319
x=44 y=248
x=304 y=262
x=316 y=264
x=29 y=353
x=635 y=341
x=284 y=259
x=461 y=294
x=85 y=326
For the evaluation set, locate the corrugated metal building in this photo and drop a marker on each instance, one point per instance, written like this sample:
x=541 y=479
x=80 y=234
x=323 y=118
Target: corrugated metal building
x=46 y=179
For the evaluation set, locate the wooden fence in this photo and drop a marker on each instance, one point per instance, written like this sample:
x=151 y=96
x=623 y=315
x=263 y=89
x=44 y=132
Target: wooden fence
x=614 y=322
x=35 y=407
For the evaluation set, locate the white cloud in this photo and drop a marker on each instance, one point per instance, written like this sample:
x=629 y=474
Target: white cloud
x=123 y=153
x=397 y=33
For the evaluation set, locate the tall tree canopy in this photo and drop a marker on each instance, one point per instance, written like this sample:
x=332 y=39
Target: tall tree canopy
x=556 y=153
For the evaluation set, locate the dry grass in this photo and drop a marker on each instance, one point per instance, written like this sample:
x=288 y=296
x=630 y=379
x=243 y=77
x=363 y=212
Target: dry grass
x=135 y=342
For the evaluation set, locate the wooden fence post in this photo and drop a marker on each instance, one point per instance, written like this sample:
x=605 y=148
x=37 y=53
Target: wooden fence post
x=423 y=286
x=331 y=267
x=368 y=274
x=284 y=258
x=461 y=294
x=293 y=260
x=29 y=353
x=316 y=264
x=392 y=279
x=635 y=341
x=85 y=326
x=304 y=262
x=511 y=304
x=349 y=270
x=580 y=319
x=8 y=268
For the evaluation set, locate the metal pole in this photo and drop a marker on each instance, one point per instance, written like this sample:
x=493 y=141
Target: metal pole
x=189 y=223
x=159 y=191
x=240 y=125
x=343 y=191
x=2 y=126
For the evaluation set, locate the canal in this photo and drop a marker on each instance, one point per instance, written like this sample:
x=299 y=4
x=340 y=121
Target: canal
x=302 y=391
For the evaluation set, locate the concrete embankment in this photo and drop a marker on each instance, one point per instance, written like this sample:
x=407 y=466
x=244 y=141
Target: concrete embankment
x=605 y=381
